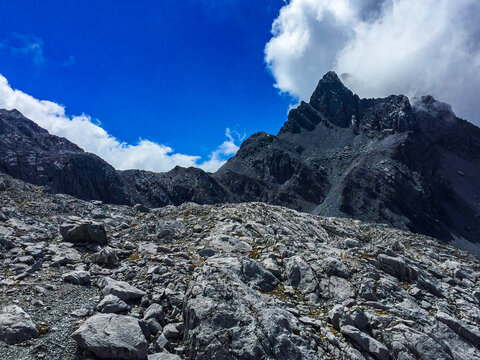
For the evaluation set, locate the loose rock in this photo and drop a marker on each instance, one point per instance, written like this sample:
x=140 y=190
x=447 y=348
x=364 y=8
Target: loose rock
x=111 y=336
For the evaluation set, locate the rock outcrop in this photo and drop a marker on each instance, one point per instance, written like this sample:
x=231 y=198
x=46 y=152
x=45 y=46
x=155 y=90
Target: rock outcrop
x=228 y=281
x=16 y=325
x=112 y=337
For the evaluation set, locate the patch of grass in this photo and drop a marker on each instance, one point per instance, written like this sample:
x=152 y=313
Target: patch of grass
x=344 y=256
x=318 y=312
x=133 y=257
x=254 y=254
x=279 y=292
x=43 y=329
x=365 y=256
x=380 y=312
x=22 y=204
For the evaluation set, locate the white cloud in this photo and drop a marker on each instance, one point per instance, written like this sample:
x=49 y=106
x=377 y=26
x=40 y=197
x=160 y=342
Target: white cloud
x=227 y=148
x=90 y=136
x=388 y=47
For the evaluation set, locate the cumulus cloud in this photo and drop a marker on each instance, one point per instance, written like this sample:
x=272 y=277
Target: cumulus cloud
x=89 y=135
x=384 y=47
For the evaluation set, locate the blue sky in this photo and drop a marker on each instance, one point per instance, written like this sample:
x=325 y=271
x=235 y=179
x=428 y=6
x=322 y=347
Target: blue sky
x=175 y=72
x=155 y=84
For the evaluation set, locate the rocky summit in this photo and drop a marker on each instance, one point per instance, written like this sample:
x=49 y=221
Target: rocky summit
x=89 y=280
x=411 y=164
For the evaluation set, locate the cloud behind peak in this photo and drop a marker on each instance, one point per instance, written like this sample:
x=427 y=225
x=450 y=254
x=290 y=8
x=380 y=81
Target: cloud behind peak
x=386 y=47
x=92 y=137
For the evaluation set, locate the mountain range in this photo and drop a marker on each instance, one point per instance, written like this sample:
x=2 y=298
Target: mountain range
x=409 y=163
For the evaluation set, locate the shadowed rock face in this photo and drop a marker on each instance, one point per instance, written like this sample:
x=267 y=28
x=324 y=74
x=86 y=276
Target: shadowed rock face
x=413 y=165
x=30 y=153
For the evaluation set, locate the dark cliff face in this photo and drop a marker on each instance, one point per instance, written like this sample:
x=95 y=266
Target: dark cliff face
x=30 y=153
x=174 y=187
x=270 y=169
x=414 y=165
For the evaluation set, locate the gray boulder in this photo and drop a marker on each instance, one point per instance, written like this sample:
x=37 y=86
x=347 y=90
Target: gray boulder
x=107 y=257
x=366 y=343
x=111 y=336
x=164 y=356
x=141 y=208
x=16 y=325
x=112 y=304
x=121 y=289
x=77 y=277
x=171 y=331
x=64 y=254
x=155 y=311
x=397 y=267
x=300 y=275
x=253 y=272
x=470 y=333
x=84 y=232
x=206 y=252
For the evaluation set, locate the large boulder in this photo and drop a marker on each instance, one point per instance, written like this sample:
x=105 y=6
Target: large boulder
x=106 y=257
x=84 y=232
x=120 y=289
x=111 y=336
x=112 y=304
x=79 y=277
x=366 y=342
x=300 y=275
x=16 y=325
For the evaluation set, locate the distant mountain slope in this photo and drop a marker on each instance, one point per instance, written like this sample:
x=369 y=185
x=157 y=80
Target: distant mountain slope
x=30 y=153
x=414 y=165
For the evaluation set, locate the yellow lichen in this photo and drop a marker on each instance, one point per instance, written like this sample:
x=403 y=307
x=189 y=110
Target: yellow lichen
x=134 y=257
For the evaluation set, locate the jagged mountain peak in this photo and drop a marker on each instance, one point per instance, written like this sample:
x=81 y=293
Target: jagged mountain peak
x=334 y=100
x=333 y=104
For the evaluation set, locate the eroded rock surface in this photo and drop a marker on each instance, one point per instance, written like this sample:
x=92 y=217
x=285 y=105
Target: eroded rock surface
x=16 y=325
x=229 y=281
x=112 y=337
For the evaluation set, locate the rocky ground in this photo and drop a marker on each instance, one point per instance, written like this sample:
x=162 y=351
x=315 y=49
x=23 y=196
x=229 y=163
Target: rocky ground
x=85 y=280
